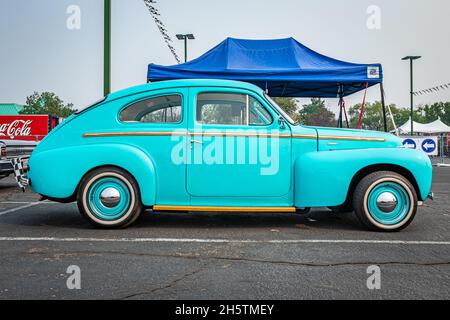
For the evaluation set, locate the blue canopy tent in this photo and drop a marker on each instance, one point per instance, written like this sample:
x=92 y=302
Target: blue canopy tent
x=282 y=67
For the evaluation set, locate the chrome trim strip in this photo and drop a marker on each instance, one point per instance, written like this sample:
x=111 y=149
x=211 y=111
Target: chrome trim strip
x=227 y=134
x=351 y=138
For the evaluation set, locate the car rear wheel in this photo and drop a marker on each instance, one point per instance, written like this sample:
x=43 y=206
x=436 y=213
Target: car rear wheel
x=385 y=201
x=109 y=198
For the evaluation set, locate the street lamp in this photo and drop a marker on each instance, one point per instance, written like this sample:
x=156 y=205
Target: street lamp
x=411 y=59
x=185 y=37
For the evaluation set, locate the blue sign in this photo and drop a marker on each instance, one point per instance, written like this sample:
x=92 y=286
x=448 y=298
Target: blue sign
x=428 y=145
x=409 y=143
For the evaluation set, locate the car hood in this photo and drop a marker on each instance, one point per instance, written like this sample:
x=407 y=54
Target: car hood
x=344 y=139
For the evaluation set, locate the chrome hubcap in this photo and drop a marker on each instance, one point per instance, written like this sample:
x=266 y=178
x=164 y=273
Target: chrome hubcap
x=110 y=197
x=387 y=202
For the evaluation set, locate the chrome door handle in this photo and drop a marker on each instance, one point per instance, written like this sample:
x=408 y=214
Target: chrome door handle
x=196 y=141
x=332 y=143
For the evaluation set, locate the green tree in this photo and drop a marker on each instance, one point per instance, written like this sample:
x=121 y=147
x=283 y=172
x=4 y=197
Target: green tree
x=290 y=106
x=373 y=116
x=316 y=114
x=47 y=103
x=432 y=112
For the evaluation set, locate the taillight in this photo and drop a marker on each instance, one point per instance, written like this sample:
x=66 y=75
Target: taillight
x=3 y=152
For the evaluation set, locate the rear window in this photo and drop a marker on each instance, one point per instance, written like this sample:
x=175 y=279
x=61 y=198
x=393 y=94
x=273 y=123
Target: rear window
x=162 y=109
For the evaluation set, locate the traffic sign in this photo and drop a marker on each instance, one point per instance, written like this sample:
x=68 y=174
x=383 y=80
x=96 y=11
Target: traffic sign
x=409 y=143
x=429 y=145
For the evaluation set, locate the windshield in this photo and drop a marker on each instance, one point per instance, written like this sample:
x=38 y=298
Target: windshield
x=280 y=110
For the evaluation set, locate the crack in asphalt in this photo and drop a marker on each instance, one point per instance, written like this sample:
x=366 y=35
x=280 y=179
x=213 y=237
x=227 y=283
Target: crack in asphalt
x=167 y=286
x=279 y=262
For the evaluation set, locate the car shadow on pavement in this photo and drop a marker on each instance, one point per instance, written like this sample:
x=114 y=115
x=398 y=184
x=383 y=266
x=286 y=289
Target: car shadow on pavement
x=66 y=216
x=317 y=219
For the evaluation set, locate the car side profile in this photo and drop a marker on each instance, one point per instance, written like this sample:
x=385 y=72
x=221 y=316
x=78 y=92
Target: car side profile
x=218 y=145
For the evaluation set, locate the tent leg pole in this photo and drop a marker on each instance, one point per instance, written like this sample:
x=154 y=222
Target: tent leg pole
x=383 y=104
x=341 y=115
x=339 y=122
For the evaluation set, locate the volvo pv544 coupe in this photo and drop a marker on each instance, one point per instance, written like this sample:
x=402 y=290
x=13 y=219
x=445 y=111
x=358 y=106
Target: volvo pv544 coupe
x=216 y=145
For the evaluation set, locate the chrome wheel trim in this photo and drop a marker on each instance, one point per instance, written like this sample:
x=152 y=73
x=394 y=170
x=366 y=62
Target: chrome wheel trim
x=387 y=202
x=110 y=197
x=408 y=215
x=85 y=199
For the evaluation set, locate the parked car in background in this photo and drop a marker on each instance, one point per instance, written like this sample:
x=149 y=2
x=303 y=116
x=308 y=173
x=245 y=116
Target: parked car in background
x=27 y=127
x=10 y=149
x=217 y=145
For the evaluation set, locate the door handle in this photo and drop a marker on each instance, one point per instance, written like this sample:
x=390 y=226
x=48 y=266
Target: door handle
x=196 y=141
x=332 y=143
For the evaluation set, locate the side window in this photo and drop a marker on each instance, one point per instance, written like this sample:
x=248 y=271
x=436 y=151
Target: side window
x=230 y=109
x=163 y=109
x=259 y=116
x=222 y=108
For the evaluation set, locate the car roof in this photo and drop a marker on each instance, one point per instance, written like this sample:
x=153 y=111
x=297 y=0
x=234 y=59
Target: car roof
x=182 y=83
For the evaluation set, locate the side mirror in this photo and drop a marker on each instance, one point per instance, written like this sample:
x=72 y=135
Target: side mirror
x=281 y=122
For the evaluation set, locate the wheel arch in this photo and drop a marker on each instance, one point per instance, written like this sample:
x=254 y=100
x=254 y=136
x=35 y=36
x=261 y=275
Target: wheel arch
x=407 y=174
x=63 y=187
x=106 y=166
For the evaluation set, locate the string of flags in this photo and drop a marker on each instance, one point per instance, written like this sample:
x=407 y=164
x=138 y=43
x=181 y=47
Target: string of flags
x=432 y=90
x=162 y=28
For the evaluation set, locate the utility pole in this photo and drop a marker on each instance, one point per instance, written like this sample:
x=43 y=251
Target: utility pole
x=107 y=48
x=185 y=37
x=411 y=67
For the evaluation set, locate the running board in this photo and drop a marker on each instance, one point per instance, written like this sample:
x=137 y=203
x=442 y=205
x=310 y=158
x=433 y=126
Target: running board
x=223 y=209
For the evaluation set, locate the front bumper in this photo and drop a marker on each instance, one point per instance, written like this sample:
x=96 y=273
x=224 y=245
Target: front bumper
x=6 y=168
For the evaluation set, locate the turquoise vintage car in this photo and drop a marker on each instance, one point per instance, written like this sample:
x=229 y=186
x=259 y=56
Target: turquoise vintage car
x=216 y=145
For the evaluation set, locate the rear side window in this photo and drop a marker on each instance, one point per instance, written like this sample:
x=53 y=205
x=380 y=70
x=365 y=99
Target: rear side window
x=162 y=109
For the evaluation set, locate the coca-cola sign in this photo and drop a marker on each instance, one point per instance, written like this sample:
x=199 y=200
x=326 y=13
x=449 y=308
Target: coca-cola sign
x=31 y=128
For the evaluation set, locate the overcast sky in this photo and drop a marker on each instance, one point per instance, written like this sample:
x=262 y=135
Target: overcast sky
x=39 y=53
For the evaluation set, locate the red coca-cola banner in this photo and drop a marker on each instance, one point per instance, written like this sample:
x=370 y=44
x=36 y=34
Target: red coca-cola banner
x=24 y=127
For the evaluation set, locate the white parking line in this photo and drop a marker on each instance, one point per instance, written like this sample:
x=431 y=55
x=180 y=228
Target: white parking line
x=31 y=204
x=24 y=206
x=181 y=240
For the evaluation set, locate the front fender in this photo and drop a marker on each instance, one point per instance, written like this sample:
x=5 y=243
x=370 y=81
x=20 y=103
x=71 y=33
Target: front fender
x=323 y=178
x=56 y=173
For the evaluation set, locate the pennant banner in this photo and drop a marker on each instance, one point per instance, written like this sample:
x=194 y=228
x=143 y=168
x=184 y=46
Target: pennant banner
x=432 y=90
x=161 y=27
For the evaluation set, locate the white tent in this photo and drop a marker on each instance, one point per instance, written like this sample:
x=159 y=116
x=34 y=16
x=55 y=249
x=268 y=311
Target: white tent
x=433 y=127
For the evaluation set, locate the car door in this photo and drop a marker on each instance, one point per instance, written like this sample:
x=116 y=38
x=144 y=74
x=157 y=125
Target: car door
x=157 y=123
x=237 y=146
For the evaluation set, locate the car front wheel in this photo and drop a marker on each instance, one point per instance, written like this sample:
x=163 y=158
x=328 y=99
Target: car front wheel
x=385 y=201
x=109 y=198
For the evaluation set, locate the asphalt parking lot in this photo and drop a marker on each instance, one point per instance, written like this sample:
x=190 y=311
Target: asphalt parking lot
x=220 y=256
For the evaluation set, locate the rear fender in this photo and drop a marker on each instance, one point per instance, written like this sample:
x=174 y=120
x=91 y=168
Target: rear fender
x=56 y=173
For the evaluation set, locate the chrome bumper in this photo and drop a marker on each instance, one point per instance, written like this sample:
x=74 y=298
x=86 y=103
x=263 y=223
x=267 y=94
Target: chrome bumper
x=20 y=166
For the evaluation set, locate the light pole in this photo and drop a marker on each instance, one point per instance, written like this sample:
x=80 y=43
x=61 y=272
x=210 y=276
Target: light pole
x=185 y=37
x=411 y=59
x=107 y=48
